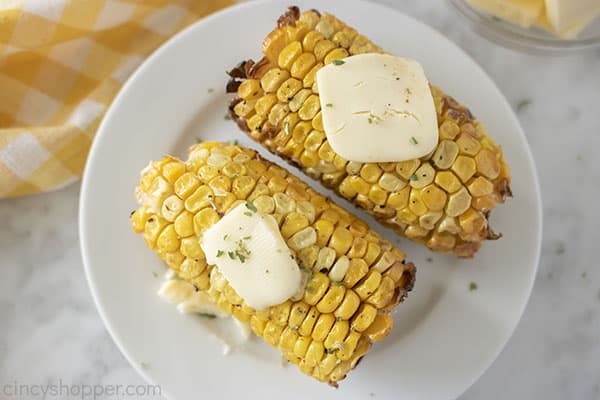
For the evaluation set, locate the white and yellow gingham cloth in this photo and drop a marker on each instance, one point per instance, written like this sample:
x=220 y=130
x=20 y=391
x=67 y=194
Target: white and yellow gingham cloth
x=61 y=64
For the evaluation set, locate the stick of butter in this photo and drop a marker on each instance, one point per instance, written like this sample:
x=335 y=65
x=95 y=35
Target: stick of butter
x=569 y=17
x=377 y=108
x=520 y=12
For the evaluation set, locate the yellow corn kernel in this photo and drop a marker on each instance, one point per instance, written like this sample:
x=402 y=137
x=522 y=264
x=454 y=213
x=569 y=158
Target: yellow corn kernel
x=288 y=339
x=368 y=285
x=172 y=171
x=337 y=334
x=316 y=288
x=407 y=168
x=289 y=54
x=448 y=181
x=322 y=327
x=332 y=299
x=297 y=314
x=487 y=164
x=464 y=167
x=458 y=202
x=309 y=322
x=357 y=269
x=302 y=65
x=433 y=197
x=380 y=328
x=167 y=240
x=322 y=48
x=314 y=353
x=384 y=293
x=204 y=219
x=341 y=241
x=348 y=306
x=335 y=54
x=467 y=144
x=273 y=79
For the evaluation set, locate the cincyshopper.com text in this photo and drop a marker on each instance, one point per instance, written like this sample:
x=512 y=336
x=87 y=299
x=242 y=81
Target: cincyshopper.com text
x=62 y=390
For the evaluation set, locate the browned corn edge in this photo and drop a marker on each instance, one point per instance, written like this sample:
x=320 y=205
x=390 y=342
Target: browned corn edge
x=247 y=69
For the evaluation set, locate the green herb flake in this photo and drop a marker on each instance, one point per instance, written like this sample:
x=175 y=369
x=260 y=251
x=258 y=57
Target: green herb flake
x=211 y=90
x=413 y=140
x=472 y=286
x=338 y=319
x=310 y=289
x=198 y=140
x=523 y=104
x=227 y=117
x=279 y=251
x=429 y=259
x=370 y=120
x=338 y=283
x=294 y=327
x=226 y=236
x=266 y=271
x=328 y=105
x=250 y=206
x=338 y=62
x=241 y=257
x=414 y=177
x=584 y=274
x=329 y=351
x=143 y=365
x=247 y=214
x=560 y=248
x=231 y=255
x=220 y=253
x=155 y=274
x=207 y=315
x=247 y=238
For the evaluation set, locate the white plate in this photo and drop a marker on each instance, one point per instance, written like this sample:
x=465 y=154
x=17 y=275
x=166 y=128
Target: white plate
x=445 y=334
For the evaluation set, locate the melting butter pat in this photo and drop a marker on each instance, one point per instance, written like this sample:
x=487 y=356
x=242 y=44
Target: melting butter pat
x=251 y=254
x=377 y=108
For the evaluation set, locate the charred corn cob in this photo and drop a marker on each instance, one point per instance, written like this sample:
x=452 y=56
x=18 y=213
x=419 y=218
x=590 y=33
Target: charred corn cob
x=442 y=200
x=353 y=277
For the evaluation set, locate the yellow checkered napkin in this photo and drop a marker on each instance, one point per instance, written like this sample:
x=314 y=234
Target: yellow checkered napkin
x=61 y=64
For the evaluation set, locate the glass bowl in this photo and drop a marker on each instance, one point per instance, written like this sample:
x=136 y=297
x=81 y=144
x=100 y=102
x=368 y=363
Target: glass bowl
x=530 y=40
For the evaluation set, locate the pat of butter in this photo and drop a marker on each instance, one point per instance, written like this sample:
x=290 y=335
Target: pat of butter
x=250 y=252
x=377 y=108
x=519 y=12
x=569 y=17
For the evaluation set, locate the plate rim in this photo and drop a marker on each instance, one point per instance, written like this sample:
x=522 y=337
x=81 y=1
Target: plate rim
x=102 y=132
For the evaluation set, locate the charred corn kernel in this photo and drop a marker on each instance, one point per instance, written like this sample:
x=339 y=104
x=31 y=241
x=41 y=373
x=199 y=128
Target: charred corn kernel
x=472 y=221
x=465 y=153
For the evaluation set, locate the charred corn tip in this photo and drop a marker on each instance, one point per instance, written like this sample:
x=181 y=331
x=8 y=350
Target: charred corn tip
x=353 y=278
x=442 y=200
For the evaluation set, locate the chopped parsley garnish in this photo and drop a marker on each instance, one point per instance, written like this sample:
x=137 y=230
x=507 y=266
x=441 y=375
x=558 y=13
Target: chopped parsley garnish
x=560 y=248
x=227 y=117
x=294 y=327
x=250 y=206
x=220 y=253
x=247 y=238
x=155 y=274
x=210 y=90
x=279 y=251
x=310 y=289
x=231 y=255
x=143 y=365
x=234 y=142
x=247 y=213
x=207 y=315
x=226 y=236
x=338 y=319
x=329 y=351
x=266 y=271
x=472 y=286
x=328 y=105
x=198 y=140
x=338 y=62
x=413 y=140
x=414 y=177
x=523 y=104
x=338 y=283
x=370 y=120
x=429 y=259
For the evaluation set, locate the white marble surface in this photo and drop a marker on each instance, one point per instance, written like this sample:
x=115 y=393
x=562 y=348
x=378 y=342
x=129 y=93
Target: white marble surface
x=50 y=330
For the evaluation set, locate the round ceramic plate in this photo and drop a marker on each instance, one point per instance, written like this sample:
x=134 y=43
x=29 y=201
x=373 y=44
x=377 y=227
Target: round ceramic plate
x=445 y=334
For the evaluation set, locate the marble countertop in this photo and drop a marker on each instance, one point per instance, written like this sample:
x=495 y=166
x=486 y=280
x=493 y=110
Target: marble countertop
x=50 y=329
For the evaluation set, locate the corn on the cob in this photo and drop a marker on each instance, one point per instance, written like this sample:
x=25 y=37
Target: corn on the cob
x=353 y=277
x=442 y=200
